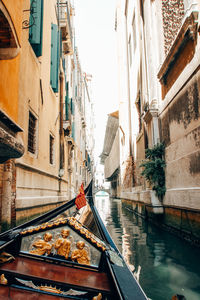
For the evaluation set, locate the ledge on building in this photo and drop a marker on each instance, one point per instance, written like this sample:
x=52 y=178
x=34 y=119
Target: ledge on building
x=180 y=54
x=10 y=147
x=151 y=111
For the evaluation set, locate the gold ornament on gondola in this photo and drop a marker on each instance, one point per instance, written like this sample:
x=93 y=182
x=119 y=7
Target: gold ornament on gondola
x=80 y=255
x=5 y=257
x=42 y=246
x=63 y=245
x=3 y=279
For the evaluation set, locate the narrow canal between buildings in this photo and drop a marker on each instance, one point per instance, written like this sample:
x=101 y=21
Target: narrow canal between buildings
x=163 y=264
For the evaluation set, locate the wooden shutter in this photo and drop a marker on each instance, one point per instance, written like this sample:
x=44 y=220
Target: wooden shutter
x=54 y=57
x=73 y=131
x=67 y=101
x=36 y=23
x=72 y=107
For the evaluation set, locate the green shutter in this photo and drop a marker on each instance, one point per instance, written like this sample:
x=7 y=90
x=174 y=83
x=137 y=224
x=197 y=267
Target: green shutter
x=73 y=131
x=66 y=108
x=36 y=23
x=67 y=89
x=54 y=57
x=72 y=107
x=67 y=100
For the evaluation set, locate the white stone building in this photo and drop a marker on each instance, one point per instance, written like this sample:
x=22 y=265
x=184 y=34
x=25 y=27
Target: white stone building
x=159 y=102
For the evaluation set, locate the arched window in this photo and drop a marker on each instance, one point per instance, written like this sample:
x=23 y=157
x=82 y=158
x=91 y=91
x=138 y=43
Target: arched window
x=9 y=44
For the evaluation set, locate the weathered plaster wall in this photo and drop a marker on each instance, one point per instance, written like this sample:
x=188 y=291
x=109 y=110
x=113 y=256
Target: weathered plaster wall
x=9 y=75
x=38 y=179
x=180 y=130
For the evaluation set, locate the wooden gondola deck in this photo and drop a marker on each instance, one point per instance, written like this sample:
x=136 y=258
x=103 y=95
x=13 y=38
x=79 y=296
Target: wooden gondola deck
x=34 y=269
x=65 y=253
x=10 y=293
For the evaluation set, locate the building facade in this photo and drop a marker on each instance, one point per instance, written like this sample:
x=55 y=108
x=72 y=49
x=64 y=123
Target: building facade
x=159 y=103
x=11 y=146
x=47 y=111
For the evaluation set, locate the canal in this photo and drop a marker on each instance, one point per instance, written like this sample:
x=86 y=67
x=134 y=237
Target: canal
x=163 y=264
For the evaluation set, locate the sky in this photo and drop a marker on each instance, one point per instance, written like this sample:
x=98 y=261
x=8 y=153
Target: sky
x=95 y=38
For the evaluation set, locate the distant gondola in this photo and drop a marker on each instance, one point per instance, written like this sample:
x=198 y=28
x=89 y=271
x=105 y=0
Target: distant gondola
x=65 y=253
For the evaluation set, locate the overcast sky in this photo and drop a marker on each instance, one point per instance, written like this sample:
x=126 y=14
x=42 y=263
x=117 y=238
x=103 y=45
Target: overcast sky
x=95 y=38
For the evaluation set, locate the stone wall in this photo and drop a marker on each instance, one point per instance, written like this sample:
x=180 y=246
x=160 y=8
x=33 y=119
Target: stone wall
x=180 y=130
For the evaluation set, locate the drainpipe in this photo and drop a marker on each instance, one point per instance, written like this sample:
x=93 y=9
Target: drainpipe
x=131 y=158
x=129 y=97
x=61 y=133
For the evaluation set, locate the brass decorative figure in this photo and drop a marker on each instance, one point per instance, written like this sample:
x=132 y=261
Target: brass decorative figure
x=5 y=257
x=63 y=245
x=3 y=279
x=98 y=297
x=42 y=246
x=80 y=254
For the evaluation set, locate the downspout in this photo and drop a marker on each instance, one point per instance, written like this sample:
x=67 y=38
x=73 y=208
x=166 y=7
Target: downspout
x=131 y=158
x=61 y=133
x=129 y=97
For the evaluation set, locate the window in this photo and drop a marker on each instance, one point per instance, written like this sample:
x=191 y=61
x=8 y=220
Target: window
x=51 y=149
x=32 y=133
x=36 y=26
x=67 y=101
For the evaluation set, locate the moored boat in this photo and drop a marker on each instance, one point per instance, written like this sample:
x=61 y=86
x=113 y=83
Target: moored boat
x=65 y=253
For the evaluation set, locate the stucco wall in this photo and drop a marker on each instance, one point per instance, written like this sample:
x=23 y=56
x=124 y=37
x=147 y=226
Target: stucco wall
x=37 y=179
x=9 y=75
x=112 y=161
x=180 y=124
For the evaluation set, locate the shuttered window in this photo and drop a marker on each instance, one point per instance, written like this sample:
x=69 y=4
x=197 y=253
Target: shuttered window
x=51 y=149
x=73 y=131
x=32 y=133
x=54 y=57
x=72 y=107
x=67 y=102
x=36 y=26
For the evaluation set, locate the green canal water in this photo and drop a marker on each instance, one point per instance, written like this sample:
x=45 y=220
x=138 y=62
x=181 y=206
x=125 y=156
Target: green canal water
x=163 y=264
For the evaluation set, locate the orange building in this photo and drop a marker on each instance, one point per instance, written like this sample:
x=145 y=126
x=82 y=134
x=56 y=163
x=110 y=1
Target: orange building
x=11 y=18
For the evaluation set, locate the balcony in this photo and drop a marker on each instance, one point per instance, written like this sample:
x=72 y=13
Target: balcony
x=65 y=14
x=10 y=145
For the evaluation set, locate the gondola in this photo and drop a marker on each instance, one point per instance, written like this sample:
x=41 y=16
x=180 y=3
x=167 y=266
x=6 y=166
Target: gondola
x=66 y=253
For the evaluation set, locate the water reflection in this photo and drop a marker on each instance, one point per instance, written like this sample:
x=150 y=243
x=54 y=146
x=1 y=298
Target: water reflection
x=163 y=264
